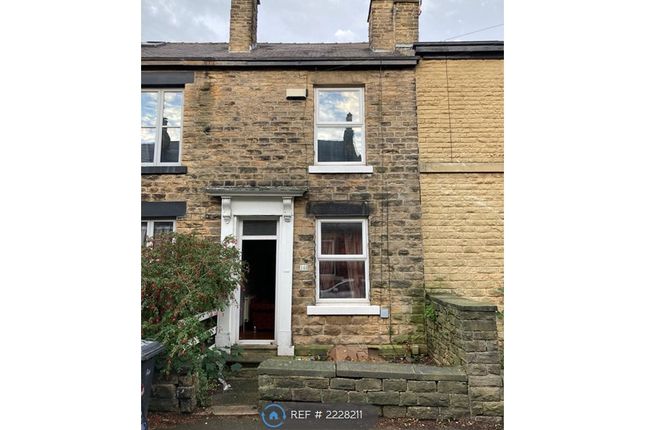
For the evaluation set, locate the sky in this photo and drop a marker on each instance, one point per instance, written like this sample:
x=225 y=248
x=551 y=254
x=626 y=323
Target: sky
x=315 y=20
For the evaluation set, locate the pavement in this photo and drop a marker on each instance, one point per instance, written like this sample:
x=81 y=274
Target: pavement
x=220 y=423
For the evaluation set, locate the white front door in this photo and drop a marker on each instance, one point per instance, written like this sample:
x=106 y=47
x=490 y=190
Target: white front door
x=269 y=226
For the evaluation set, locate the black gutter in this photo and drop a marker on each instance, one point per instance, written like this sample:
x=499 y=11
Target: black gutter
x=209 y=62
x=460 y=50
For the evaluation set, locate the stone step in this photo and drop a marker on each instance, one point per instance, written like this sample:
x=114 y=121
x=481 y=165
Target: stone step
x=252 y=356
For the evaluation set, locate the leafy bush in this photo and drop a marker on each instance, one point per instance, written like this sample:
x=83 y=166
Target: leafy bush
x=183 y=275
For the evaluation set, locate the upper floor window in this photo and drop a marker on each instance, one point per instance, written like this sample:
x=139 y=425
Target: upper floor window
x=161 y=122
x=340 y=126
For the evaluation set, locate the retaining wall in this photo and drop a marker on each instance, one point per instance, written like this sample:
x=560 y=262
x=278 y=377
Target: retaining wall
x=399 y=390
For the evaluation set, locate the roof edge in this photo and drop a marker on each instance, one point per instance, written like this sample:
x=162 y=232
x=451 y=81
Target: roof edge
x=493 y=49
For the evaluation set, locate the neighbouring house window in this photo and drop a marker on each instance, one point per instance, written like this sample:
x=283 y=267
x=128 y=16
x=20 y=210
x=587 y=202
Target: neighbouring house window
x=150 y=229
x=340 y=126
x=161 y=122
x=342 y=260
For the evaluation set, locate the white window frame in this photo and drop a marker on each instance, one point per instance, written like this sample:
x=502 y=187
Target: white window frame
x=364 y=256
x=335 y=166
x=156 y=161
x=150 y=228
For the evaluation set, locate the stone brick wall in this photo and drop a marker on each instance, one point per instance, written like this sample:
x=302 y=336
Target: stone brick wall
x=463 y=234
x=461 y=110
x=406 y=22
x=240 y=130
x=464 y=332
x=461 y=127
x=398 y=390
x=243 y=25
x=393 y=22
x=174 y=393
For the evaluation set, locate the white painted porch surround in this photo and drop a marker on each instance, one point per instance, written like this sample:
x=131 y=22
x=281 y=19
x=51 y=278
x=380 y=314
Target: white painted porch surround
x=238 y=203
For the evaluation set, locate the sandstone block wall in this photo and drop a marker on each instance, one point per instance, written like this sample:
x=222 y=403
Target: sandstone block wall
x=398 y=390
x=461 y=125
x=461 y=110
x=240 y=130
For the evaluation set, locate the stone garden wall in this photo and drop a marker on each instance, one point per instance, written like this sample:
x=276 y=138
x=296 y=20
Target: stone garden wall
x=173 y=393
x=399 y=390
x=462 y=338
x=463 y=332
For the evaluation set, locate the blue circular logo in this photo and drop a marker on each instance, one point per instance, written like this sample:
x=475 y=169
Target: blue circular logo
x=273 y=415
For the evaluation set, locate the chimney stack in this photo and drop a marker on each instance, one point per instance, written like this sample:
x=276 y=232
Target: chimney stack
x=394 y=25
x=244 y=25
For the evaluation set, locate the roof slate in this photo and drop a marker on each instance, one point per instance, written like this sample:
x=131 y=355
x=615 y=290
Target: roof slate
x=263 y=51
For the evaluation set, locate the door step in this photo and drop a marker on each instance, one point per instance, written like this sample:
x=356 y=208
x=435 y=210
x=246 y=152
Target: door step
x=253 y=355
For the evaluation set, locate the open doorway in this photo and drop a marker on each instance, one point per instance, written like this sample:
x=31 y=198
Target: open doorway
x=257 y=306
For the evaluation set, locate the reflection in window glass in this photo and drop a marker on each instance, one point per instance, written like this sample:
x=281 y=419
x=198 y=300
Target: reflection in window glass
x=172 y=109
x=149 y=106
x=339 y=144
x=341 y=238
x=148 y=138
x=342 y=280
x=340 y=126
x=161 y=123
x=339 y=106
x=170 y=145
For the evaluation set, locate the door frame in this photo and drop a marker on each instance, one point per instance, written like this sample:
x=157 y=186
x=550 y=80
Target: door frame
x=235 y=208
x=240 y=240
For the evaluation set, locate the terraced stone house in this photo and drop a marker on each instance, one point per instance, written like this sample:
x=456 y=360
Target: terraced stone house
x=308 y=155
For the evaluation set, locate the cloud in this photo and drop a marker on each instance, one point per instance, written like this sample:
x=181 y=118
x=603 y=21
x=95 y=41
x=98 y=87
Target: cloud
x=345 y=35
x=312 y=21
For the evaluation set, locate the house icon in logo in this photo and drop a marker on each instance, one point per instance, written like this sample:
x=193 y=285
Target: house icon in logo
x=273 y=415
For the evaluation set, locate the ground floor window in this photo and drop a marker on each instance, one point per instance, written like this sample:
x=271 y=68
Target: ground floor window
x=151 y=228
x=342 y=260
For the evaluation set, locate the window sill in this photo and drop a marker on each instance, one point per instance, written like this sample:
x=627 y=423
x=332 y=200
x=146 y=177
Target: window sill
x=340 y=169
x=163 y=170
x=343 y=310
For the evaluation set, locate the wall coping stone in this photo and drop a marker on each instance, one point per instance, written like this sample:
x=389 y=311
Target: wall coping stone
x=297 y=368
x=434 y=373
x=373 y=370
x=463 y=304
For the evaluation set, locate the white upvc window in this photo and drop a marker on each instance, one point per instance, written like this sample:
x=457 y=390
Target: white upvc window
x=151 y=228
x=161 y=126
x=339 y=131
x=342 y=261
